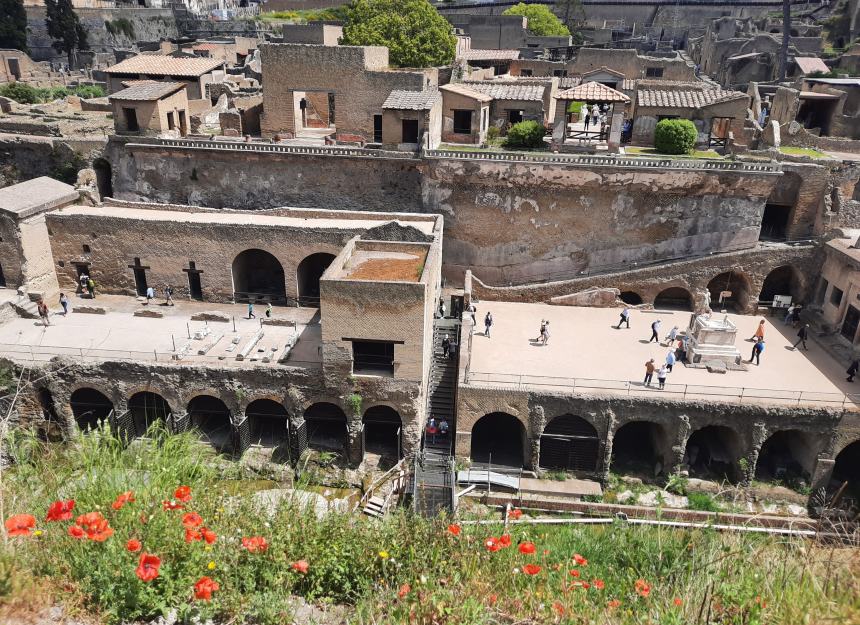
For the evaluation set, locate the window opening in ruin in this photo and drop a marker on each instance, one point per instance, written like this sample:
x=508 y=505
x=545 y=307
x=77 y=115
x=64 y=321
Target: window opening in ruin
x=183 y=126
x=377 y=128
x=498 y=439
x=847 y=469
x=526 y=73
x=780 y=281
x=130 y=116
x=559 y=73
x=104 y=177
x=836 y=296
x=653 y=72
x=850 y=324
x=712 y=452
x=170 y=123
x=258 y=277
x=781 y=458
x=774 y=222
x=631 y=298
x=639 y=447
x=373 y=358
x=410 y=131
x=570 y=442
x=139 y=276
x=211 y=417
x=308 y=275
x=674 y=298
x=515 y=117
x=146 y=408
x=382 y=432
x=90 y=408
x=86 y=249
x=326 y=425
x=195 y=287
x=269 y=423
x=15 y=68
x=463 y=122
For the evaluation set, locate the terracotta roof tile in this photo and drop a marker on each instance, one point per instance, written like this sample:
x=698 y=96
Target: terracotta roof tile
x=147 y=90
x=508 y=91
x=592 y=92
x=687 y=99
x=158 y=65
x=400 y=99
x=491 y=55
x=466 y=91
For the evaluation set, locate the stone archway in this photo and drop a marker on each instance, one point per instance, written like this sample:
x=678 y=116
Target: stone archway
x=258 y=276
x=674 y=298
x=308 y=275
x=738 y=284
x=570 y=442
x=786 y=455
x=847 y=469
x=641 y=447
x=498 y=438
x=631 y=298
x=211 y=417
x=383 y=430
x=713 y=452
x=269 y=423
x=326 y=426
x=148 y=408
x=783 y=280
x=90 y=408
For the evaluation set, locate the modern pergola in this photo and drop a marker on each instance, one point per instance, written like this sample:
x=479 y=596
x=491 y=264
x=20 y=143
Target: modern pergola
x=589 y=93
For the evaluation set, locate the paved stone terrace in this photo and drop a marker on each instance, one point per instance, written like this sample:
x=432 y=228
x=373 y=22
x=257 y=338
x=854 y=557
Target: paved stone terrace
x=584 y=344
x=119 y=335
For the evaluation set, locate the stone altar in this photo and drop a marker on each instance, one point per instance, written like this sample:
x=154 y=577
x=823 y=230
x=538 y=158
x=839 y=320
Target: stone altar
x=712 y=339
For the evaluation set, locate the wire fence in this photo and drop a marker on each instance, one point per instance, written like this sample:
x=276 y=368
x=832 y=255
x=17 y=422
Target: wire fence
x=733 y=394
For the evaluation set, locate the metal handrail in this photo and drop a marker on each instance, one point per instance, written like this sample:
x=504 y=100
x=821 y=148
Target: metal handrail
x=377 y=483
x=261 y=146
x=739 y=394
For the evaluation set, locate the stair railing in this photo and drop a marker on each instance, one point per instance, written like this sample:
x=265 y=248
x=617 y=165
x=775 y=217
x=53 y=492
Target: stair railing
x=377 y=483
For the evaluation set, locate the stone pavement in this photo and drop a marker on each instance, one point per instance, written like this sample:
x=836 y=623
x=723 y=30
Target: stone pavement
x=584 y=344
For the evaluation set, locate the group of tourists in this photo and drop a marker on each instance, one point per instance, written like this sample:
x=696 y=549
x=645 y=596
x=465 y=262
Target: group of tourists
x=168 y=295
x=88 y=285
x=437 y=428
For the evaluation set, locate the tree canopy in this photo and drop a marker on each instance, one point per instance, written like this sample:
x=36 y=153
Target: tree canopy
x=542 y=21
x=65 y=29
x=414 y=32
x=13 y=25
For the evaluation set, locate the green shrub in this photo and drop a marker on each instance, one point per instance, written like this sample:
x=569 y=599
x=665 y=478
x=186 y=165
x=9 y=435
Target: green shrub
x=89 y=91
x=527 y=134
x=675 y=136
x=703 y=502
x=20 y=92
x=575 y=107
x=492 y=133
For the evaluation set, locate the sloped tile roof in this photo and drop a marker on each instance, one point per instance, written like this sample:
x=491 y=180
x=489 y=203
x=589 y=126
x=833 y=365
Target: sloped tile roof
x=592 y=92
x=147 y=90
x=809 y=64
x=508 y=91
x=566 y=82
x=686 y=99
x=466 y=91
x=159 y=65
x=476 y=54
x=412 y=100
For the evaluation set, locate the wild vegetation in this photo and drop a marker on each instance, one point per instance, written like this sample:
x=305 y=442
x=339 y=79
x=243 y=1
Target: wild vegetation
x=541 y=20
x=132 y=532
x=24 y=93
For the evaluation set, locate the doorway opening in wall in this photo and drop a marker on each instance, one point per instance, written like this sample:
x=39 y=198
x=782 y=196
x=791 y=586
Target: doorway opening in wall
x=774 y=222
x=171 y=123
x=462 y=122
x=373 y=358
x=515 y=117
x=720 y=129
x=104 y=177
x=382 y=433
x=308 y=275
x=195 y=287
x=130 y=116
x=377 y=128
x=410 y=131
x=139 y=277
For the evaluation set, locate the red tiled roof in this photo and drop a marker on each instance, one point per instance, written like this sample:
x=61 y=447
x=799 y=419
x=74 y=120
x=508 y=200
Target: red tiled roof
x=592 y=92
x=158 y=65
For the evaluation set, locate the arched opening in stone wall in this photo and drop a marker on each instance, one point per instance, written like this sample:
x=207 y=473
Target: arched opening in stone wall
x=788 y=456
x=571 y=443
x=713 y=452
x=269 y=422
x=211 y=417
x=146 y=408
x=382 y=432
x=104 y=177
x=784 y=280
x=90 y=408
x=737 y=284
x=847 y=469
x=674 y=298
x=640 y=447
x=326 y=424
x=498 y=438
x=631 y=298
x=259 y=277
x=308 y=276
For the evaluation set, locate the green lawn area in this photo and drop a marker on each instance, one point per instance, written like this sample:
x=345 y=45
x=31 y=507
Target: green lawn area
x=640 y=151
x=810 y=152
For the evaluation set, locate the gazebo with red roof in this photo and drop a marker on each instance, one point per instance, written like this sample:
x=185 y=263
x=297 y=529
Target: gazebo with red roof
x=589 y=93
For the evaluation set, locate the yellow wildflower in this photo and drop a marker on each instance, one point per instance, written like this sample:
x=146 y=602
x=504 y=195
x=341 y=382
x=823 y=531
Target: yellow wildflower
x=211 y=565
x=383 y=555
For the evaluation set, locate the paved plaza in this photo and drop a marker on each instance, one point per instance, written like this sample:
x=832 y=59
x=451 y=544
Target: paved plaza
x=584 y=345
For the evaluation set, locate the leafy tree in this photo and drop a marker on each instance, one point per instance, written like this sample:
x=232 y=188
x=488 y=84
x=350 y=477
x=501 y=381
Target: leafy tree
x=542 y=21
x=527 y=134
x=675 y=136
x=13 y=25
x=414 y=32
x=65 y=29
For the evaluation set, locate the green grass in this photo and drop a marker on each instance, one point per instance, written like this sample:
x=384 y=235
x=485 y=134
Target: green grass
x=633 y=150
x=305 y=15
x=810 y=152
x=702 y=501
x=400 y=570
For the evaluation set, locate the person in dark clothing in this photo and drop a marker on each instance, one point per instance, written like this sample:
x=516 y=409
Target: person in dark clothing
x=802 y=335
x=757 y=349
x=446 y=346
x=655 y=332
x=852 y=369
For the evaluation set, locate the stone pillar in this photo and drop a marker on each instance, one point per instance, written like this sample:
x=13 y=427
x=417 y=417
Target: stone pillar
x=611 y=424
x=463 y=444
x=615 y=132
x=680 y=446
x=759 y=436
x=821 y=474
x=537 y=422
x=298 y=436
x=355 y=442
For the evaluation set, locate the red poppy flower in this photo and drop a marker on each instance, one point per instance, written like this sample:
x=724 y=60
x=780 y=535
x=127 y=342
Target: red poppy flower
x=171 y=505
x=491 y=544
x=204 y=587
x=574 y=572
x=95 y=526
x=527 y=548
x=190 y=520
x=586 y=585
x=147 y=567
x=122 y=499
x=300 y=566
x=75 y=531
x=558 y=608
x=404 y=590
x=613 y=604
x=492 y=598
x=514 y=514
x=642 y=588
x=454 y=529
x=598 y=583
x=183 y=494
x=580 y=561
x=208 y=535
x=255 y=544
x=677 y=601
x=60 y=510
x=531 y=569
x=505 y=540
x=761 y=602
x=133 y=545
x=20 y=525
x=191 y=535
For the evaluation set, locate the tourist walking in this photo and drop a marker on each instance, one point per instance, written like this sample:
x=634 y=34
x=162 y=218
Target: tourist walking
x=670 y=360
x=595 y=115
x=540 y=332
x=789 y=314
x=472 y=311
x=83 y=280
x=759 y=332
x=795 y=316
x=432 y=429
x=662 y=372
x=585 y=120
x=150 y=293
x=488 y=322
x=446 y=346
x=43 y=312
x=802 y=335
x=91 y=285
x=757 y=349
x=670 y=338
x=655 y=332
x=545 y=336
x=64 y=302
x=251 y=314
x=682 y=347
x=168 y=295
x=443 y=427
x=625 y=318
x=441 y=308
x=852 y=369
x=269 y=310
x=649 y=372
